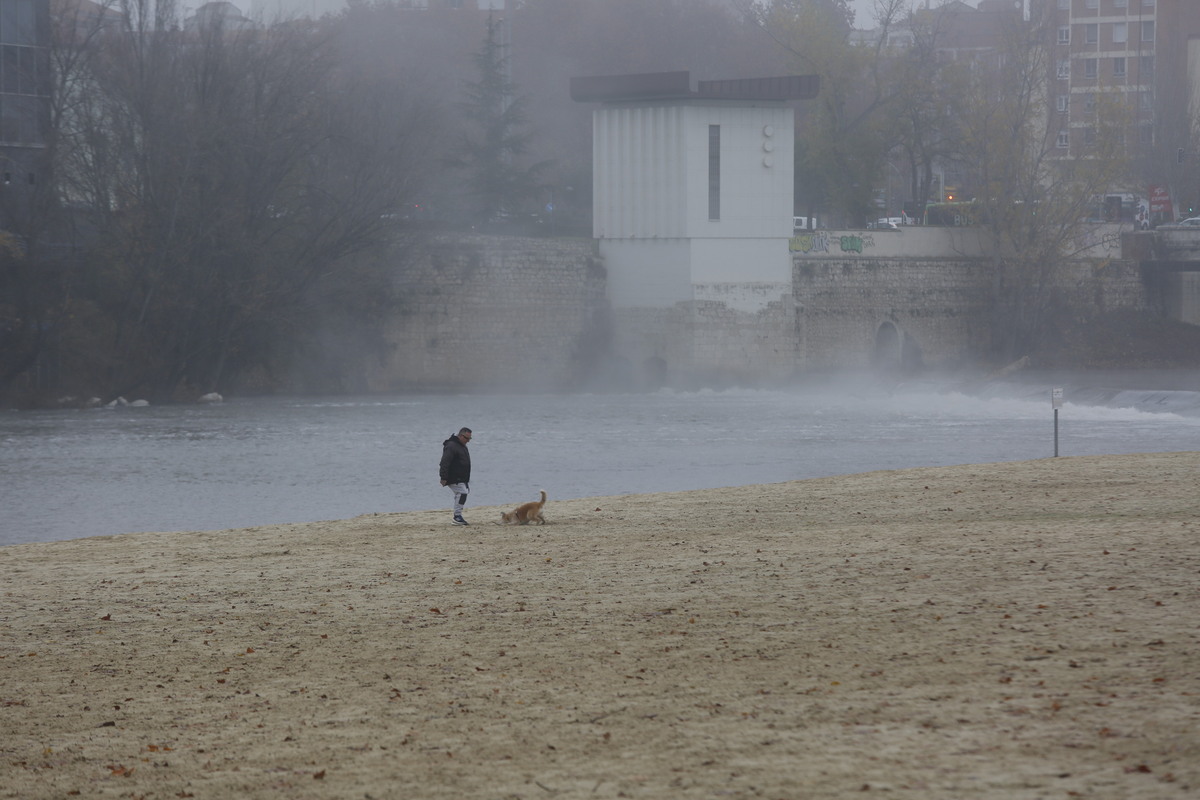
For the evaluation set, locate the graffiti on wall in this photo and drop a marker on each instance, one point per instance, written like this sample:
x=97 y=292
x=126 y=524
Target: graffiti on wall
x=825 y=242
x=1098 y=237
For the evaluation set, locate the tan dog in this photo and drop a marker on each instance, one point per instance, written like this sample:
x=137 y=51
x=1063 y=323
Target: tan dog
x=525 y=513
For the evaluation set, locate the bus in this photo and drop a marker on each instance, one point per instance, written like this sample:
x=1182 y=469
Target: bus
x=954 y=214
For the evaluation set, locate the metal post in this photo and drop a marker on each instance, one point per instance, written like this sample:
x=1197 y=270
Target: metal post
x=1056 y=399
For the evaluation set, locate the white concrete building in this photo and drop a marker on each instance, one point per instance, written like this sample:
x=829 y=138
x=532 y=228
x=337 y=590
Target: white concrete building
x=692 y=200
x=693 y=189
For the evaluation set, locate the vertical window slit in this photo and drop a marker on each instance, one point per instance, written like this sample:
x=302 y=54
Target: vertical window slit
x=714 y=171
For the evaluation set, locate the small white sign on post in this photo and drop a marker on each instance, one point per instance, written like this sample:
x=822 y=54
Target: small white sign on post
x=1056 y=396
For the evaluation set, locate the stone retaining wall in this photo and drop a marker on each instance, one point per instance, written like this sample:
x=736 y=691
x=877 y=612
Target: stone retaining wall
x=939 y=305
x=499 y=312
x=532 y=315
x=941 y=308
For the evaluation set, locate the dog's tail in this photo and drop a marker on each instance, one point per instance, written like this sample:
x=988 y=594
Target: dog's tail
x=543 y=491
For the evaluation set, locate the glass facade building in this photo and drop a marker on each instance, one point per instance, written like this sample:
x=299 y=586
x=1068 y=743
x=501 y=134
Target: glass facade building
x=24 y=87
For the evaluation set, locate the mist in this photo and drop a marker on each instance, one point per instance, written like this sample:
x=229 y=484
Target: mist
x=864 y=10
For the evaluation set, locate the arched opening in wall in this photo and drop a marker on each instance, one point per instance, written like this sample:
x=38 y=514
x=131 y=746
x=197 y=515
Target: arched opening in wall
x=896 y=352
x=654 y=372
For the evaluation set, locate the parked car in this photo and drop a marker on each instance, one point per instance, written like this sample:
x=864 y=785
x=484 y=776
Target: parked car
x=1186 y=224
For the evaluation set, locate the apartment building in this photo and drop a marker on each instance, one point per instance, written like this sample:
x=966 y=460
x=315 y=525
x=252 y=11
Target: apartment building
x=1142 y=53
x=24 y=103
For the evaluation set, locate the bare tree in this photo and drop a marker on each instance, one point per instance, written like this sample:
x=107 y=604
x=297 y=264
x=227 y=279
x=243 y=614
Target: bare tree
x=929 y=91
x=232 y=176
x=1033 y=200
x=844 y=137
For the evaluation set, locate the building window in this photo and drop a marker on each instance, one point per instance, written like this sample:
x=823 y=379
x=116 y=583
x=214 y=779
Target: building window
x=1146 y=67
x=1091 y=33
x=1119 y=3
x=1089 y=103
x=1118 y=68
x=1092 y=4
x=1090 y=69
x=1064 y=5
x=18 y=70
x=1063 y=103
x=1064 y=69
x=714 y=171
x=1120 y=33
x=1146 y=135
x=1146 y=101
x=1089 y=137
x=20 y=119
x=17 y=22
x=24 y=106
x=1064 y=34
x=1064 y=139
x=1148 y=31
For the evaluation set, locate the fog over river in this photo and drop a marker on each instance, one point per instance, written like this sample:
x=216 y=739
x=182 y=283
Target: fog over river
x=245 y=462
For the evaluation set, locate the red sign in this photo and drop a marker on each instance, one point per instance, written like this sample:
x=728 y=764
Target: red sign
x=1160 y=200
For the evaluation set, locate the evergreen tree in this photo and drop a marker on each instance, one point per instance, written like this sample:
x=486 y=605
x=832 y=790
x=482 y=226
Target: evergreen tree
x=498 y=134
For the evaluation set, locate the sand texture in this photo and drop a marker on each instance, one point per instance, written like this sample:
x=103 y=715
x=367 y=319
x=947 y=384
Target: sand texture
x=1000 y=631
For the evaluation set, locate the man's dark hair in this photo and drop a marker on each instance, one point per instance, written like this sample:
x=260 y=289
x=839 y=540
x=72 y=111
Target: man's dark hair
x=464 y=430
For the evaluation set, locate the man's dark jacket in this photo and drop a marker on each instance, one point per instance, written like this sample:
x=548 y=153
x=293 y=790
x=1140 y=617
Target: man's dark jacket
x=456 y=462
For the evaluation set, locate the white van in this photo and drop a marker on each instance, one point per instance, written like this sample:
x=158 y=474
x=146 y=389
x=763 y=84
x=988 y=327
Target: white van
x=804 y=224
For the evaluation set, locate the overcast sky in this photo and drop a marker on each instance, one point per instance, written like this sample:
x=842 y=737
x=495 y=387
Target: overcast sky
x=863 y=18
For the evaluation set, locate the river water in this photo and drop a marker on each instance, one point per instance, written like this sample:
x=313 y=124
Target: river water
x=68 y=474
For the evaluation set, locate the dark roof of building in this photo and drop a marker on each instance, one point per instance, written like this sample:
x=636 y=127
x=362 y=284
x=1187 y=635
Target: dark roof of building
x=677 y=86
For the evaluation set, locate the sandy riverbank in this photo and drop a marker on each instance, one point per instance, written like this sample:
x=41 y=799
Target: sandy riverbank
x=998 y=631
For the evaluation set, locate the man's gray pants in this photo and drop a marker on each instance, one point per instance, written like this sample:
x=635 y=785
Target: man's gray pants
x=460 y=496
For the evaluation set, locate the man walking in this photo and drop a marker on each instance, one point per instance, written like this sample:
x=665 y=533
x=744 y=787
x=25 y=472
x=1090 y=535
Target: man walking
x=455 y=471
